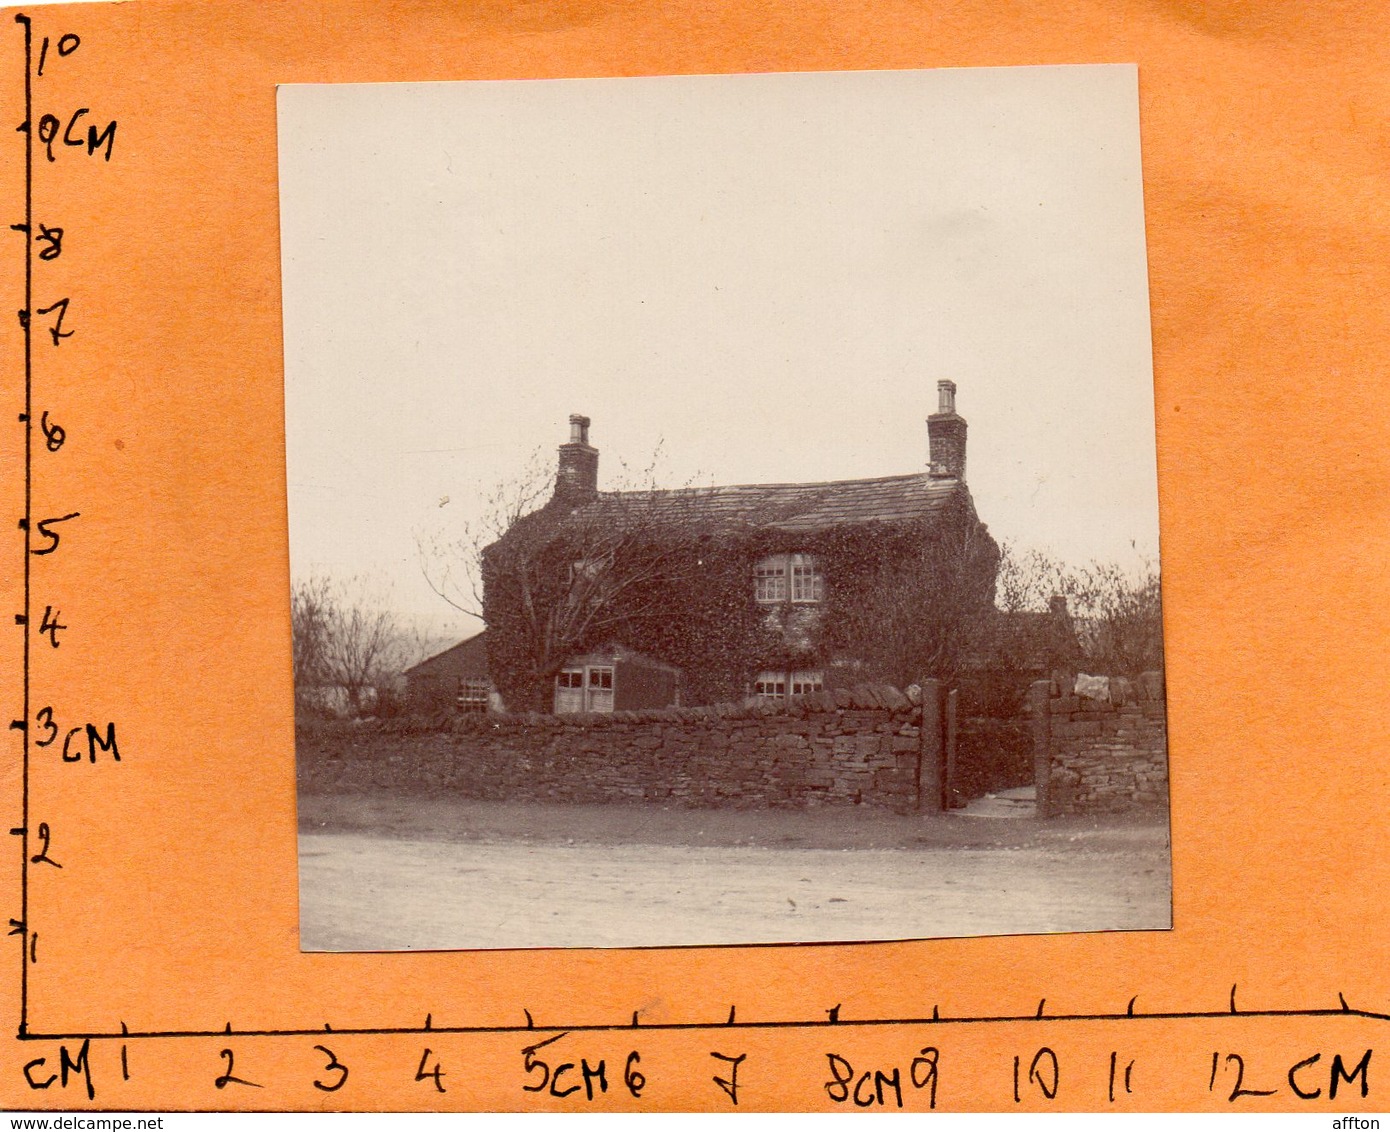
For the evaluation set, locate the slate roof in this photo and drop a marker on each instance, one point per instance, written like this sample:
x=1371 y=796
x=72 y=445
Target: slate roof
x=804 y=507
x=467 y=658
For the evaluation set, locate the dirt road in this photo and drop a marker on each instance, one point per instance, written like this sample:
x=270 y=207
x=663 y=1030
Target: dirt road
x=389 y=874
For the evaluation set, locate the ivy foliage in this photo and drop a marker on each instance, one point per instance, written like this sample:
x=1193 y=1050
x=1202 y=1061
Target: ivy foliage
x=657 y=573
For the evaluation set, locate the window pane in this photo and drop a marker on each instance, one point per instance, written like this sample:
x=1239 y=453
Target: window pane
x=807 y=581
x=770 y=579
x=771 y=685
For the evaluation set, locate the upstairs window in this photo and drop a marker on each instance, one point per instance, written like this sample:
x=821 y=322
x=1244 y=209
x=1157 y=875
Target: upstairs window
x=808 y=584
x=783 y=576
x=770 y=580
x=588 y=570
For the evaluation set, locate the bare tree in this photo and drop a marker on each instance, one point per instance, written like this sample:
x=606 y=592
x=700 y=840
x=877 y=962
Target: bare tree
x=565 y=579
x=1028 y=580
x=551 y=577
x=921 y=610
x=310 y=617
x=1116 y=608
x=346 y=641
x=452 y=562
x=1120 y=615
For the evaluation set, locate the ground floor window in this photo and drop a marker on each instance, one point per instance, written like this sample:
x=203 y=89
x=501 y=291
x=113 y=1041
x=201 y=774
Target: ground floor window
x=584 y=688
x=473 y=693
x=778 y=685
x=771 y=686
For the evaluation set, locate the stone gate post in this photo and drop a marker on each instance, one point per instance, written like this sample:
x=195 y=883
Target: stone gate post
x=1040 y=707
x=952 y=792
x=931 y=767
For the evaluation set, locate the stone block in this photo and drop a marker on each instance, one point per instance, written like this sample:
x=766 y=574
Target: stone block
x=893 y=699
x=1092 y=688
x=889 y=781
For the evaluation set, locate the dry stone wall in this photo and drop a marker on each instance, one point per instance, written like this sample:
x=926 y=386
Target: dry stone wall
x=856 y=746
x=1103 y=752
x=1108 y=752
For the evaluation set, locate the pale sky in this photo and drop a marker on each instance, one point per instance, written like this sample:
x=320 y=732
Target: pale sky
x=764 y=274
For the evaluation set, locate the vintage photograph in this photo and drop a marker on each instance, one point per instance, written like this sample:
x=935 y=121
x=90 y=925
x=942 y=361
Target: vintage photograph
x=722 y=510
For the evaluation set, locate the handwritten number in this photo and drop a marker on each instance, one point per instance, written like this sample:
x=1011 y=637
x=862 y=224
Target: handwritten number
x=434 y=1074
x=50 y=624
x=45 y=720
x=48 y=130
x=530 y=1062
x=1036 y=1076
x=633 y=1078
x=730 y=1083
x=53 y=237
x=1238 y=1092
x=61 y=306
x=42 y=857
x=53 y=434
x=334 y=1065
x=923 y=1071
x=227 y=1079
x=67 y=44
x=52 y=536
x=50 y=125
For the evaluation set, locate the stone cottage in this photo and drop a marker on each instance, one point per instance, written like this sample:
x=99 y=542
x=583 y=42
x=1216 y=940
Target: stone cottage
x=657 y=597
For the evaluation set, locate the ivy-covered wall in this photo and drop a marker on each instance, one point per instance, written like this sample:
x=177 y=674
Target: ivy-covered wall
x=901 y=599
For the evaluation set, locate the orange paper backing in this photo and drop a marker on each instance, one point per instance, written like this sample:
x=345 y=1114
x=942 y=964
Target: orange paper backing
x=1265 y=158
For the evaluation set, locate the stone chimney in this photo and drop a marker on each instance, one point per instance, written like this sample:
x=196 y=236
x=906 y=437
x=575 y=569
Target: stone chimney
x=946 y=436
x=576 y=481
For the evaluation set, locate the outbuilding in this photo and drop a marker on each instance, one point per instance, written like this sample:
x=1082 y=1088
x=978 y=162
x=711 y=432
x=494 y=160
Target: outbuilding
x=455 y=679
